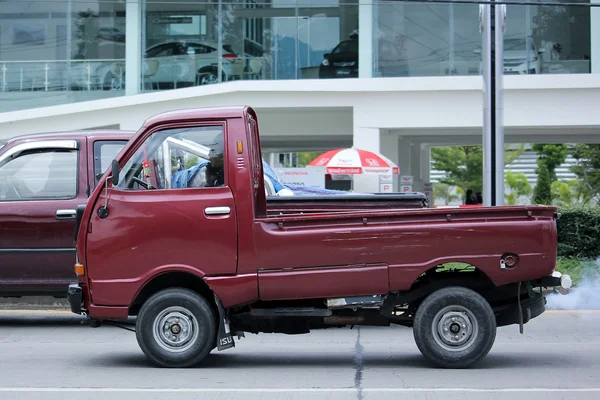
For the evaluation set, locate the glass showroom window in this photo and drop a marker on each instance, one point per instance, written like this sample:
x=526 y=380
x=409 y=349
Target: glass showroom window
x=205 y=43
x=60 y=51
x=424 y=39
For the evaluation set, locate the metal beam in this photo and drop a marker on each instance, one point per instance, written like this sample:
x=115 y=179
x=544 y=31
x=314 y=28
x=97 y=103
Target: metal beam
x=492 y=19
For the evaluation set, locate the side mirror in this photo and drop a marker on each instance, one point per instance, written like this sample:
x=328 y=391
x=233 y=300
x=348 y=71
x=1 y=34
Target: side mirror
x=115 y=172
x=326 y=55
x=103 y=211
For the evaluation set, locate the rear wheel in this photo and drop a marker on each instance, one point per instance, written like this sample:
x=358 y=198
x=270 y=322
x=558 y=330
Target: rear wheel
x=176 y=328
x=454 y=327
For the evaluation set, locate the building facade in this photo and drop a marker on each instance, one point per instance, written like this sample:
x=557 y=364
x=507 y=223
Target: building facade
x=390 y=76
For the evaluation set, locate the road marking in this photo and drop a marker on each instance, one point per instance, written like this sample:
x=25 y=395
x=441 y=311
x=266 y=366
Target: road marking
x=288 y=390
x=571 y=312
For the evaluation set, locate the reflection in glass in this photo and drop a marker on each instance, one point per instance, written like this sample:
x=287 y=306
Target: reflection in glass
x=422 y=39
x=62 y=51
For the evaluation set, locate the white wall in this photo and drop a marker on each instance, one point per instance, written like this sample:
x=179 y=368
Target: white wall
x=539 y=102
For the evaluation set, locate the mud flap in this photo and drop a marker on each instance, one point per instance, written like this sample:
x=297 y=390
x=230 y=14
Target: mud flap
x=519 y=308
x=224 y=338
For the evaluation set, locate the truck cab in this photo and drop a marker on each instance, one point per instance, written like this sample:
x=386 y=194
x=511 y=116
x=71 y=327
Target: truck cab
x=181 y=233
x=43 y=179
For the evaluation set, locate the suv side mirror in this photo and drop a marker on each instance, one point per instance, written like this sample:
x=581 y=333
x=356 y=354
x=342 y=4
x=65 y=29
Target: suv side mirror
x=115 y=172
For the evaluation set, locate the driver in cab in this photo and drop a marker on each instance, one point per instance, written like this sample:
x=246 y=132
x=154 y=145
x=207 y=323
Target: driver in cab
x=214 y=172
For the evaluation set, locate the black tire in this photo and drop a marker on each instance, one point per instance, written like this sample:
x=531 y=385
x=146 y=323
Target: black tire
x=190 y=320
x=474 y=321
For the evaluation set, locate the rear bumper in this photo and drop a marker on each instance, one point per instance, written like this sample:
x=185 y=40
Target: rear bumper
x=75 y=298
x=530 y=308
x=535 y=304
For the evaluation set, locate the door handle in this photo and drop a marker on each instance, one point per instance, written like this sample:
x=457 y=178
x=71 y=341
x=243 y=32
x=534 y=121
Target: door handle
x=217 y=210
x=66 y=214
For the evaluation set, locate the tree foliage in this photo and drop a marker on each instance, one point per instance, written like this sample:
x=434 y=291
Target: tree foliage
x=579 y=232
x=518 y=186
x=306 y=158
x=542 y=194
x=464 y=164
x=550 y=156
x=567 y=193
x=587 y=171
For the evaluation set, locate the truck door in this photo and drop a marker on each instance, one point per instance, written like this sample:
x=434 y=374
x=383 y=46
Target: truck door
x=171 y=208
x=41 y=184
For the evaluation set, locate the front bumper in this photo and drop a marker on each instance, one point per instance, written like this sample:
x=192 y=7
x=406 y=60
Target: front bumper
x=75 y=298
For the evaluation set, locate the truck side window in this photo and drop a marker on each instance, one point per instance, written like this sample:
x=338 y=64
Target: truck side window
x=178 y=158
x=40 y=175
x=104 y=152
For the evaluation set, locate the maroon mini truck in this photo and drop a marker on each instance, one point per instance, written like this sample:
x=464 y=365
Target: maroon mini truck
x=180 y=233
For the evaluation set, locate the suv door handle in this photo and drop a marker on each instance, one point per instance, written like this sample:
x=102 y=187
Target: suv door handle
x=66 y=214
x=217 y=210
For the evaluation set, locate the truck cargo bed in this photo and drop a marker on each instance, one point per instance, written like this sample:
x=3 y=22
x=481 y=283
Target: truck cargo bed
x=352 y=202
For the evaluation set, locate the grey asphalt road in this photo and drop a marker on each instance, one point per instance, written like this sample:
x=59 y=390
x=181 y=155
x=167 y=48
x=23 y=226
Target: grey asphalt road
x=44 y=355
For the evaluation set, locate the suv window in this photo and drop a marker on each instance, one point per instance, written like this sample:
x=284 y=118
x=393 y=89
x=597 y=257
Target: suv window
x=104 y=152
x=177 y=159
x=347 y=46
x=40 y=175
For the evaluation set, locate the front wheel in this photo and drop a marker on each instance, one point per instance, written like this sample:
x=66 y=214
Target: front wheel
x=176 y=328
x=454 y=327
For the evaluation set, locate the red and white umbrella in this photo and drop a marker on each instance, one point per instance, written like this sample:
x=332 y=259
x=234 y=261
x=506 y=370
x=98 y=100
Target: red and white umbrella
x=353 y=162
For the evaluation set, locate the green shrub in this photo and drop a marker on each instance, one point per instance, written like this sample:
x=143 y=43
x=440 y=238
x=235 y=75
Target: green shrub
x=579 y=232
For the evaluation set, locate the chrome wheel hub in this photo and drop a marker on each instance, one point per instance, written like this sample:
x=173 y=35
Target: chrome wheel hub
x=175 y=329
x=455 y=328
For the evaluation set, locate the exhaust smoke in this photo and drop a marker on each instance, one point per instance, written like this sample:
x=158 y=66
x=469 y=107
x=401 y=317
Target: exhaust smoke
x=583 y=296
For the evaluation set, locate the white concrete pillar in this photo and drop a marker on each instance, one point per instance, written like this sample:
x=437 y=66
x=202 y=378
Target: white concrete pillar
x=366 y=138
x=388 y=147
x=595 y=37
x=133 y=46
x=379 y=141
x=420 y=165
x=425 y=162
x=404 y=156
x=365 y=38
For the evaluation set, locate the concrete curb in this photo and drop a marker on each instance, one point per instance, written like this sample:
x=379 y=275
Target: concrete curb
x=34 y=303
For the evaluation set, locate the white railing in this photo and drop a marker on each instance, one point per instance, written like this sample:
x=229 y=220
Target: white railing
x=109 y=74
x=56 y=75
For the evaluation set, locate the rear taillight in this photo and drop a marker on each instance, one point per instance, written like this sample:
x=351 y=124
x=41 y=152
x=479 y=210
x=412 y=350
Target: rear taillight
x=230 y=57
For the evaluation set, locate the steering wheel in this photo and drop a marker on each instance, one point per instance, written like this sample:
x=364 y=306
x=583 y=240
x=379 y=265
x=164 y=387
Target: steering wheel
x=140 y=182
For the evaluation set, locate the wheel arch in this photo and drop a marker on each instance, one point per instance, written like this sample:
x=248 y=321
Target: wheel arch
x=172 y=279
x=454 y=271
